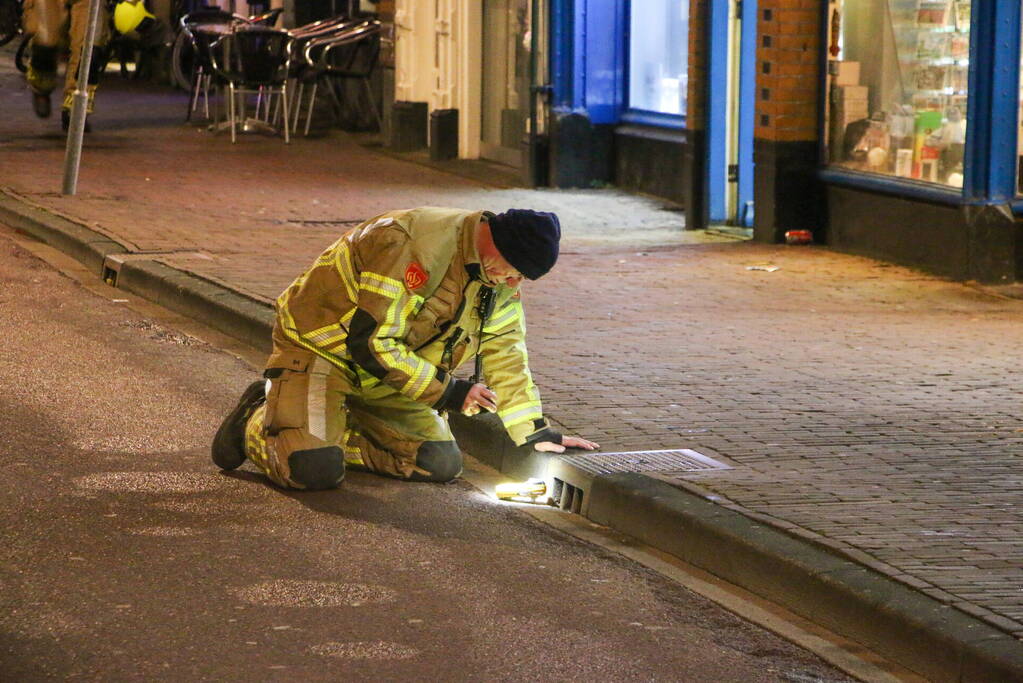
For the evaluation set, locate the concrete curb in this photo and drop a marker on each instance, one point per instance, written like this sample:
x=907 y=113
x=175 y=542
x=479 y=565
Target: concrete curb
x=80 y=242
x=911 y=628
x=223 y=309
x=936 y=640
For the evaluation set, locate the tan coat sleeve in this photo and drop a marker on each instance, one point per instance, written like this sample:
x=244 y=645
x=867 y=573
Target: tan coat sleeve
x=506 y=369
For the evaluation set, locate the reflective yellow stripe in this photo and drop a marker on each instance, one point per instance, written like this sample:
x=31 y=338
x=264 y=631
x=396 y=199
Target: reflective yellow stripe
x=521 y=412
x=393 y=325
x=353 y=454
x=343 y=264
x=389 y=352
x=495 y=324
x=381 y=285
x=419 y=382
x=325 y=335
x=291 y=331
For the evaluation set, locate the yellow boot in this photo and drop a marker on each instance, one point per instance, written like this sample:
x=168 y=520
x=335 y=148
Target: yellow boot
x=69 y=100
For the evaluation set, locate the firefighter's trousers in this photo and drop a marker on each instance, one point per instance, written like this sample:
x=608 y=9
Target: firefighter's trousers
x=54 y=23
x=317 y=413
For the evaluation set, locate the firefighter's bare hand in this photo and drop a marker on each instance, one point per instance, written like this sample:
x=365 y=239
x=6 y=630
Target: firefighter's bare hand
x=480 y=397
x=566 y=442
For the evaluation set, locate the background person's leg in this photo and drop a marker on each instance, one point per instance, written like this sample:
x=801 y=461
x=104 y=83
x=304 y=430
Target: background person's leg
x=44 y=19
x=79 y=24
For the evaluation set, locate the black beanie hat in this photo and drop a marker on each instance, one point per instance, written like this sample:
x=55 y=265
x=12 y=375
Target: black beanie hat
x=528 y=240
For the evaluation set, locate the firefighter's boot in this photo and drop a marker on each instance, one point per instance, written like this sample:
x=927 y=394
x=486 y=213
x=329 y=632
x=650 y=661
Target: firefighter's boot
x=69 y=101
x=229 y=444
x=42 y=78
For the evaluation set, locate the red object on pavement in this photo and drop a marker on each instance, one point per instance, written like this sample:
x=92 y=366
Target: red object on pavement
x=798 y=236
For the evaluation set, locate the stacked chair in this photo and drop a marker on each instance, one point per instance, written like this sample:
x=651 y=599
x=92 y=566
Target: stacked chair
x=350 y=53
x=243 y=56
x=253 y=59
x=202 y=28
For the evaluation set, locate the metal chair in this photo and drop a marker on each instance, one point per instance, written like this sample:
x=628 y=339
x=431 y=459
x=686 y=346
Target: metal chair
x=300 y=37
x=253 y=60
x=201 y=28
x=349 y=54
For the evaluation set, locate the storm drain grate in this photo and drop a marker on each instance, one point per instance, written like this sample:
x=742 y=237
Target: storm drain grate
x=680 y=460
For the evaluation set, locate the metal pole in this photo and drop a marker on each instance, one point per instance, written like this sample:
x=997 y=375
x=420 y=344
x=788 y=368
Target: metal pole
x=76 y=129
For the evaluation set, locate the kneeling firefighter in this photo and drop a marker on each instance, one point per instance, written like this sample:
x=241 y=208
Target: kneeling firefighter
x=365 y=341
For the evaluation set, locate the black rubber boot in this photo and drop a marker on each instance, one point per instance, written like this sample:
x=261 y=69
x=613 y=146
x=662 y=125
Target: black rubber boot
x=41 y=104
x=229 y=444
x=65 y=121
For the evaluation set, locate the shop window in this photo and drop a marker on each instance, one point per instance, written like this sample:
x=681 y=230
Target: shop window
x=658 y=55
x=897 y=87
x=1019 y=134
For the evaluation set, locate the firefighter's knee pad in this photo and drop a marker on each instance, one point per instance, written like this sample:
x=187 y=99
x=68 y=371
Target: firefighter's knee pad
x=442 y=460
x=317 y=468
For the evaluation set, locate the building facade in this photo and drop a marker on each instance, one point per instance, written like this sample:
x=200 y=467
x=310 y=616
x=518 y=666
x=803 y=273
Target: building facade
x=886 y=127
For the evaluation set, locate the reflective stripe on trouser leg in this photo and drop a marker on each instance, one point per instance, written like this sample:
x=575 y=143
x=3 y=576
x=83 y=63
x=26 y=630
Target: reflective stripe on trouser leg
x=386 y=430
x=306 y=412
x=79 y=24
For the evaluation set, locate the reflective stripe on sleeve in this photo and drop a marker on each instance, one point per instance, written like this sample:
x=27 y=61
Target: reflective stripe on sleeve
x=381 y=284
x=510 y=314
x=343 y=264
x=522 y=412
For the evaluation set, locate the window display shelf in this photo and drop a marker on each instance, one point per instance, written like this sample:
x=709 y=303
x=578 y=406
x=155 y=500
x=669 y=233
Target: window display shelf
x=928 y=28
x=906 y=119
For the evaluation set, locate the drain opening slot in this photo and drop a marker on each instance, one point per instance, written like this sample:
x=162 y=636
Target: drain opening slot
x=568 y=497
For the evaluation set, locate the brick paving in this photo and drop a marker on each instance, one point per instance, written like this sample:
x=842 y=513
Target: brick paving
x=869 y=407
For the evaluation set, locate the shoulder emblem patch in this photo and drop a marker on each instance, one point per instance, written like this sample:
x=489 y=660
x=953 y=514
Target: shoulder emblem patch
x=415 y=276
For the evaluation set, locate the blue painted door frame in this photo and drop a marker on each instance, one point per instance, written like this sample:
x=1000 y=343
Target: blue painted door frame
x=716 y=186
x=992 y=110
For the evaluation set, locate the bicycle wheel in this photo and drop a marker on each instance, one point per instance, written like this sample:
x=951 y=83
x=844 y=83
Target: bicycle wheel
x=182 y=62
x=24 y=54
x=10 y=20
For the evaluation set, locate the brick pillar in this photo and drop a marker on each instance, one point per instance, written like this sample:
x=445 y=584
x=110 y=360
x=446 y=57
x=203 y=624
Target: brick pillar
x=695 y=155
x=787 y=194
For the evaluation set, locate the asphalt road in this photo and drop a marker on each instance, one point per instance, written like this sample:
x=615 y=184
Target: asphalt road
x=125 y=555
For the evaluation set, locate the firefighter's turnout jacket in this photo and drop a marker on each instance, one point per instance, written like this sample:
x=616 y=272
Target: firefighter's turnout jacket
x=377 y=326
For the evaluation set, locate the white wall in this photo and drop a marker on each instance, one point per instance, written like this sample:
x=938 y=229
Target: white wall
x=437 y=60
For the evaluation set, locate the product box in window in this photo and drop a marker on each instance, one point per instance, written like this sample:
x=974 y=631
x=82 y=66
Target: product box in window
x=925 y=154
x=959 y=46
x=934 y=13
x=931 y=77
x=962 y=16
x=844 y=72
x=931 y=45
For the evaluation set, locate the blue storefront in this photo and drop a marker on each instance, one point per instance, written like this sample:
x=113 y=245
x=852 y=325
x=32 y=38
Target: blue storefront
x=920 y=138
x=629 y=107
